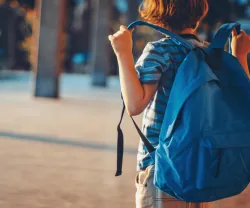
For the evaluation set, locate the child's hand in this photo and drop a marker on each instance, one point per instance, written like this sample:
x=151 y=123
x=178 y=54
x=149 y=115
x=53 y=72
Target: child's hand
x=121 y=41
x=240 y=44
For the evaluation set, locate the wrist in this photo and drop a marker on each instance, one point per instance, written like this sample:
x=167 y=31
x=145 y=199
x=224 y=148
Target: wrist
x=126 y=61
x=124 y=55
x=240 y=55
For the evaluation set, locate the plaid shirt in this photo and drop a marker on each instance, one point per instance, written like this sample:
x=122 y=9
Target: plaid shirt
x=158 y=64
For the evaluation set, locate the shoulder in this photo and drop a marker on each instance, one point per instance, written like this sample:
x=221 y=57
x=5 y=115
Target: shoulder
x=162 y=48
x=159 y=45
x=202 y=44
x=155 y=56
x=153 y=50
x=154 y=47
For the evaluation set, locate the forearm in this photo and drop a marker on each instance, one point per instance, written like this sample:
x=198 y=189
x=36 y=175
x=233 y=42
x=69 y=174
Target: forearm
x=136 y=96
x=243 y=60
x=132 y=89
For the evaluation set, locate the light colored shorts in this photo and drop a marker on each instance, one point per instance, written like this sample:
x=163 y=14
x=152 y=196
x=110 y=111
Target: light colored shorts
x=148 y=196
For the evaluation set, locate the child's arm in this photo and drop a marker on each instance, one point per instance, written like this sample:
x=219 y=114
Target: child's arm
x=244 y=63
x=241 y=48
x=136 y=96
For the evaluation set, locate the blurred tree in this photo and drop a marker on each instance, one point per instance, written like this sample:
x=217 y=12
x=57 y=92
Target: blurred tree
x=3 y=35
x=15 y=30
x=99 y=58
x=132 y=15
x=219 y=12
x=51 y=47
x=28 y=3
x=79 y=27
x=117 y=19
x=240 y=8
x=132 y=12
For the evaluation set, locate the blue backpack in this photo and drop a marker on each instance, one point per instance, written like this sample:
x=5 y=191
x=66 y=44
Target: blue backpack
x=204 y=146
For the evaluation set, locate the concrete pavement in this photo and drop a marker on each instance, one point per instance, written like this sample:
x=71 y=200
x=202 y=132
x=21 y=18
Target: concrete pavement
x=61 y=153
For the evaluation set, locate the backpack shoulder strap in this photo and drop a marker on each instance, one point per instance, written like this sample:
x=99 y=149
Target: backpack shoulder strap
x=223 y=34
x=185 y=84
x=164 y=31
x=120 y=142
x=120 y=139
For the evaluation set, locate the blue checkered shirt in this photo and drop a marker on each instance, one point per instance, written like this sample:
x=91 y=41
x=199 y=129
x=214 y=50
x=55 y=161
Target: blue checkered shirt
x=158 y=64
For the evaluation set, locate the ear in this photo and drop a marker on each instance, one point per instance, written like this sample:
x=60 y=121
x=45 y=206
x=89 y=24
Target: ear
x=195 y=26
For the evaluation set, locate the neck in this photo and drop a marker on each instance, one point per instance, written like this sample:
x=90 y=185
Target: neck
x=186 y=31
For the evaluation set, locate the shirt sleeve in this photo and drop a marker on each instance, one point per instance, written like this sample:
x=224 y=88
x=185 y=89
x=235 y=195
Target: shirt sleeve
x=151 y=64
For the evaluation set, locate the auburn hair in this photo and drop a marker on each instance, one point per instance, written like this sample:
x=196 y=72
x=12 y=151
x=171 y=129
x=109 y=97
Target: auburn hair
x=174 y=15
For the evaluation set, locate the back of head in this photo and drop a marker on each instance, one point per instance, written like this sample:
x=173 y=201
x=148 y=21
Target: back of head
x=175 y=15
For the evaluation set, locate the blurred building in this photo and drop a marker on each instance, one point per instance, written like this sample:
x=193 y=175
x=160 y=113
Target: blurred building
x=78 y=35
x=15 y=33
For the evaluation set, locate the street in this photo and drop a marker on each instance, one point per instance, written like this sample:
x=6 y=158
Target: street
x=62 y=153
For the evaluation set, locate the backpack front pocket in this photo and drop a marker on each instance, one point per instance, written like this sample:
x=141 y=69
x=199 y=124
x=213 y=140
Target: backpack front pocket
x=229 y=135
x=227 y=148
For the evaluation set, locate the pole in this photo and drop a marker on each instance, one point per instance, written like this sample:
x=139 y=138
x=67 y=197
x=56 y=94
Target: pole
x=50 y=45
x=100 y=25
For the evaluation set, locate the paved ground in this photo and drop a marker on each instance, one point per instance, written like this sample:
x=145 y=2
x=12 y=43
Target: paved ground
x=61 y=153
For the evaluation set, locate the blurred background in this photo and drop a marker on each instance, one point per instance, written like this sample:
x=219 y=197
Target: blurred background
x=61 y=152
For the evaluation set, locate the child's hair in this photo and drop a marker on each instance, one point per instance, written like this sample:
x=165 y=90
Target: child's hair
x=174 y=14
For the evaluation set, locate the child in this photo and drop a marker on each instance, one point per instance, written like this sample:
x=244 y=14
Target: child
x=147 y=85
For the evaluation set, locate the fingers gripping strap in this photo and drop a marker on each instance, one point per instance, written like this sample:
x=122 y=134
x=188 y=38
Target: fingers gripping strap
x=164 y=31
x=223 y=34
